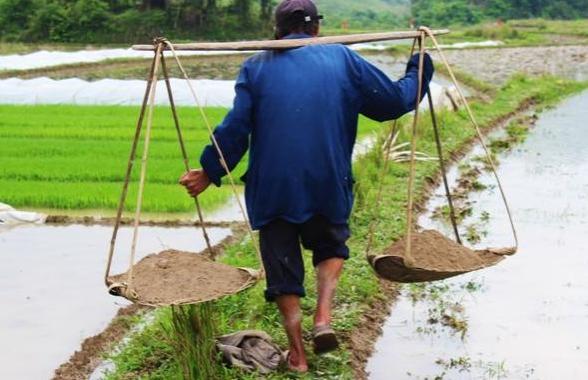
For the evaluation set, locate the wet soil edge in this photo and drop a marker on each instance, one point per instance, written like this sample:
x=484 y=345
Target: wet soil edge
x=64 y=220
x=83 y=362
x=362 y=340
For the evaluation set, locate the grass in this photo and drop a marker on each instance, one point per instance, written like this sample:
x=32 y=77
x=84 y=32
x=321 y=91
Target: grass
x=148 y=357
x=75 y=157
x=532 y=32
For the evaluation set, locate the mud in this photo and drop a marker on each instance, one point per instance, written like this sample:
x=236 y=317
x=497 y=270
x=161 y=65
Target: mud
x=175 y=277
x=110 y=221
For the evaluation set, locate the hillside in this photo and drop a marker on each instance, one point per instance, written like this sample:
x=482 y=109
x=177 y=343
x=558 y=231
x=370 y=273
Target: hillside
x=365 y=13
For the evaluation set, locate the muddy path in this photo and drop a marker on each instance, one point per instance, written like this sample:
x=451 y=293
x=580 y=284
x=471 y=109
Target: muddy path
x=525 y=318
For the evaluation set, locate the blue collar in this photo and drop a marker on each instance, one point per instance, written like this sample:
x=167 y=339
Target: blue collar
x=293 y=36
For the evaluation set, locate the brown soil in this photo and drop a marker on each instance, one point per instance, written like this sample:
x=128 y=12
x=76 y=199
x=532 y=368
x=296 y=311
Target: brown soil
x=175 y=277
x=83 y=362
x=109 y=221
x=432 y=251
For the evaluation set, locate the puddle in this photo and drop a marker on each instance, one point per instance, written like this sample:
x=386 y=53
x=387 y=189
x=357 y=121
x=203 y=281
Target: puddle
x=51 y=289
x=526 y=318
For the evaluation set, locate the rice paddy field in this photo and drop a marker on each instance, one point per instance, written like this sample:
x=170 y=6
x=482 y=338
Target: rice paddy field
x=74 y=157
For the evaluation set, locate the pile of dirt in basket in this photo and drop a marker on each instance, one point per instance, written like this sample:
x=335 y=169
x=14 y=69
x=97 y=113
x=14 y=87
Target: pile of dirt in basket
x=431 y=250
x=175 y=277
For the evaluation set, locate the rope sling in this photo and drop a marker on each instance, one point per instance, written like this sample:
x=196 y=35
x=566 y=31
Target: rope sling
x=184 y=286
x=399 y=264
x=173 y=277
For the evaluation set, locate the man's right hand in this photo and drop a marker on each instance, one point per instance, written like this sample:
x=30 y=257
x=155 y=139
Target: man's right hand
x=195 y=181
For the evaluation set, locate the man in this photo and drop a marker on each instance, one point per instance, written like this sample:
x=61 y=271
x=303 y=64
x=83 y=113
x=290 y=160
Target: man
x=296 y=111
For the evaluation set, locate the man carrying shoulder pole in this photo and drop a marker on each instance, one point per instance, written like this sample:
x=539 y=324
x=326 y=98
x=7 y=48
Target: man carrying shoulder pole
x=296 y=111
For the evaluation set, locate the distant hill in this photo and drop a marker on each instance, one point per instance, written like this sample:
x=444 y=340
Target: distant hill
x=363 y=14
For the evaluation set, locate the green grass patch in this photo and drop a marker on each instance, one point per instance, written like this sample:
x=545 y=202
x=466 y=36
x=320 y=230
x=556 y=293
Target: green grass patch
x=148 y=356
x=75 y=157
x=530 y=32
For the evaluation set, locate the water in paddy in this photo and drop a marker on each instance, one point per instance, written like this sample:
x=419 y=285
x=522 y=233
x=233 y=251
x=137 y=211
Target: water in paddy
x=526 y=318
x=52 y=292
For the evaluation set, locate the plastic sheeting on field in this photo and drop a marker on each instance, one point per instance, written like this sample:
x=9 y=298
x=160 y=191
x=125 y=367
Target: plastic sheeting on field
x=465 y=45
x=213 y=93
x=44 y=58
x=10 y=217
x=44 y=90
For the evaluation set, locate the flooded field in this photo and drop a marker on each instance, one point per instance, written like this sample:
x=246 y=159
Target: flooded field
x=526 y=318
x=52 y=293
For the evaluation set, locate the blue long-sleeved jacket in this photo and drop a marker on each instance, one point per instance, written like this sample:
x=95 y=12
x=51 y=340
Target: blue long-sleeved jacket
x=297 y=112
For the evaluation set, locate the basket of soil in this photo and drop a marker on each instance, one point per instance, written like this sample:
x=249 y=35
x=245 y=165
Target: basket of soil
x=433 y=257
x=428 y=255
x=175 y=278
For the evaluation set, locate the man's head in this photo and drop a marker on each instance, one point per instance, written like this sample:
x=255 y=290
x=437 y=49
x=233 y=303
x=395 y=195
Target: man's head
x=297 y=16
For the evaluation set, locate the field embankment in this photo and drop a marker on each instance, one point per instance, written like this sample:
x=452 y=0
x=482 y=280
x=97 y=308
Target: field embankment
x=362 y=301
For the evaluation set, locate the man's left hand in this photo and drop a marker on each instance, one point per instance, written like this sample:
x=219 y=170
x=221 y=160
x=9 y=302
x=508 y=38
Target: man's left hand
x=195 y=181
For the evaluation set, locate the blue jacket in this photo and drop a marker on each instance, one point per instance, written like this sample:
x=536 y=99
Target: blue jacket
x=297 y=112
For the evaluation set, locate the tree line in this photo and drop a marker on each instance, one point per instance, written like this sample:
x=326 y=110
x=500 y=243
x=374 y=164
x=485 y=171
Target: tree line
x=443 y=13
x=132 y=20
x=129 y=21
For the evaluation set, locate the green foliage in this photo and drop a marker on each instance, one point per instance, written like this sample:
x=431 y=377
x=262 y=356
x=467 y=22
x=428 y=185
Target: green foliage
x=77 y=155
x=442 y=13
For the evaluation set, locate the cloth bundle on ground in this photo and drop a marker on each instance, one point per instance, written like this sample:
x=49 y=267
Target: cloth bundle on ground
x=11 y=217
x=250 y=350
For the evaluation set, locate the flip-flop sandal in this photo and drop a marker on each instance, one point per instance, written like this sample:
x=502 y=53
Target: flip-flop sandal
x=324 y=339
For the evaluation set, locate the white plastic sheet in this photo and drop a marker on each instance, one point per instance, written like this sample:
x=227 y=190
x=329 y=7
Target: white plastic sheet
x=218 y=93
x=10 y=217
x=44 y=58
x=212 y=93
x=465 y=45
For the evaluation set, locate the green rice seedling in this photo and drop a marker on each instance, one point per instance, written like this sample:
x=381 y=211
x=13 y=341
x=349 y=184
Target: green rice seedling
x=191 y=334
x=75 y=157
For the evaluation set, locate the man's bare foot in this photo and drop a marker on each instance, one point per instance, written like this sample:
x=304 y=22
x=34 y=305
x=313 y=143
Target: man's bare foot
x=295 y=364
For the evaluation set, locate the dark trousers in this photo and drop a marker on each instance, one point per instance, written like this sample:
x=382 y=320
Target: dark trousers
x=282 y=257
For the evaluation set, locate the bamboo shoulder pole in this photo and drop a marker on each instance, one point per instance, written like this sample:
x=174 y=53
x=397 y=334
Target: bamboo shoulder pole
x=295 y=43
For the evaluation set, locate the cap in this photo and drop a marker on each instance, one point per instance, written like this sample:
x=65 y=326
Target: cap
x=293 y=11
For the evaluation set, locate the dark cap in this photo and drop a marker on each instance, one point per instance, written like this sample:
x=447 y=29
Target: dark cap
x=295 y=11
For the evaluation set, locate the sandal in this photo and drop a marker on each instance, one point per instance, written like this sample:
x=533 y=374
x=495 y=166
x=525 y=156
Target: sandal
x=324 y=339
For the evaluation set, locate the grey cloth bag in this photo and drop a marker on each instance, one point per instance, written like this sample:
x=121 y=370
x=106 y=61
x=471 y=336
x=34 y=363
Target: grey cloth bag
x=250 y=350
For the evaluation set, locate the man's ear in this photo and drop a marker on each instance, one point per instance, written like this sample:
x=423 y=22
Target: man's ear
x=317 y=30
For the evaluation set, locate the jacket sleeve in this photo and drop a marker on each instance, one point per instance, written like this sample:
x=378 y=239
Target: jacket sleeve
x=384 y=99
x=232 y=134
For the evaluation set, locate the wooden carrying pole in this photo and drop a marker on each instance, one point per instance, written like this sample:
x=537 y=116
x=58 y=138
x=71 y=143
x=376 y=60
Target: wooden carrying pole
x=295 y=43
